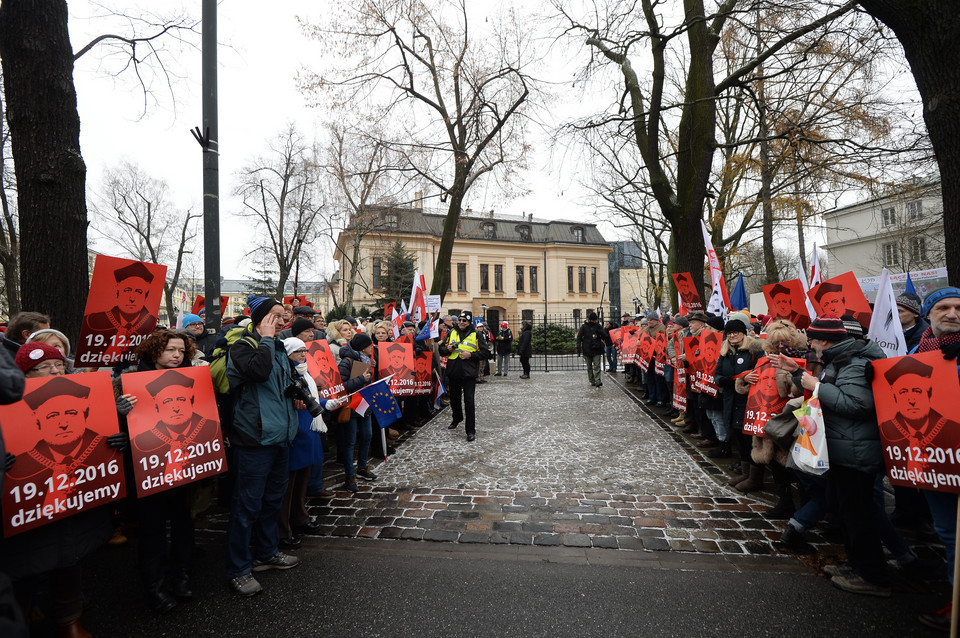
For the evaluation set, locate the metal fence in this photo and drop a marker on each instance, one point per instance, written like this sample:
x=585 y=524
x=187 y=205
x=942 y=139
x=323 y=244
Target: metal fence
x=554 y=340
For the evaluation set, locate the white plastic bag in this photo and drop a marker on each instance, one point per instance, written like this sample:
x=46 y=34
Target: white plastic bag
x=809 y=452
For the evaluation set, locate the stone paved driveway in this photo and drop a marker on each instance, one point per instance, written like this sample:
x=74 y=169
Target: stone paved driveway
x=556 y=462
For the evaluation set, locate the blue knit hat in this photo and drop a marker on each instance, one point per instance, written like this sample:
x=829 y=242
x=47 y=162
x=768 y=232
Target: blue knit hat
x=259 y=307
x=191 y=318
x=937 y=295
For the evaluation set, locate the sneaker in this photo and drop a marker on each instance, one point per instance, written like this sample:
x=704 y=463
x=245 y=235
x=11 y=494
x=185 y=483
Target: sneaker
x=840 y=569
x=277 y=561
x=939 y=620
x=858 y=585
x=366 y=474
x=291 y=542
x=793 y=539
x=246 y=585
x=351 y=485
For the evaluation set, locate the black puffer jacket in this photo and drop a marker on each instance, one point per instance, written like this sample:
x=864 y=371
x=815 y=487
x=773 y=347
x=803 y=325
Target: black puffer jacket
x=347 y=356
x=736 y=361
x=524 y=343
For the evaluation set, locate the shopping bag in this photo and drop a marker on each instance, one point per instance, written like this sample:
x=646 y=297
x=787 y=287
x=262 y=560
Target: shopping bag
x=809 y=452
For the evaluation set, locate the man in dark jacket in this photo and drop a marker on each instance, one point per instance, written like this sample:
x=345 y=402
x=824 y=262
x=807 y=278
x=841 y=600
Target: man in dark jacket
x=908 y=304
x=264 y=426
x=465 y=353
x=503 y=346
x=592 y=342
x=525 y=348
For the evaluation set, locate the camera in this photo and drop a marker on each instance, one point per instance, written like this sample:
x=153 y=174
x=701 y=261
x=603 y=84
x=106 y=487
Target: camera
x=298 y=391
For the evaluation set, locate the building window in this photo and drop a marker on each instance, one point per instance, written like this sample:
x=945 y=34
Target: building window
x=485 y=277
x=582 y=278
x=533 y=279
x=524 y=232
x=489 y=230
x=888 y=216
x=918 y=249
x=593 y=280
x=578 y=234
x=914 y=210
x=890 y=256
x=519 y=278
x=376 y=273
x=391 y=219
x=461 y=277
x=526 y=315
x=576 y=316
x=498 y=277
x=569 y=278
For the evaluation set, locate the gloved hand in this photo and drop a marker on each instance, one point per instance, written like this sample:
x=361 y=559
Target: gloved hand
x=125 y=404
x=8 y=461
x=868 y=372
x=318 y=425
x=333 y=404
x=120 y=441
x=951 y=351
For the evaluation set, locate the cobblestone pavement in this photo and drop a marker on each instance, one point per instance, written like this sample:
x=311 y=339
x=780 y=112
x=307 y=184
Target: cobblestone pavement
x=556 y=462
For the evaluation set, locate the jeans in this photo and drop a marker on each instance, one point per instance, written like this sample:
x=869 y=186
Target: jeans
x=465 y=389
x=656 y=387
x=816 y=506
x=943 y=508
x=593 y=367
x=719 y=425
x=357 y=435
x=611 y=354
x=262 y=476
x=503 y=364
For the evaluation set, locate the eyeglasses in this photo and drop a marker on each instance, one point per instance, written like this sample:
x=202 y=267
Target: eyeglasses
x=300 y=351
x=50 y=366
x=780 y=344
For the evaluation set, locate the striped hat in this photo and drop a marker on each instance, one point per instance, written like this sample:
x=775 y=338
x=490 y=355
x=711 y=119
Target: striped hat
x=852 y=326
x=827 y=330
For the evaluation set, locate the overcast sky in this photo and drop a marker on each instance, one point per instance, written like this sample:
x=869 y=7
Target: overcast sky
x=261 y=51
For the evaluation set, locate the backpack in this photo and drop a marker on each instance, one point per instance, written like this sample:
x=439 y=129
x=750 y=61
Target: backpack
x=220 y=356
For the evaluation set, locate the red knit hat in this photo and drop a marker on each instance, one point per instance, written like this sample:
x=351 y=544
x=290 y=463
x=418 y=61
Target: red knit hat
x=30 y=355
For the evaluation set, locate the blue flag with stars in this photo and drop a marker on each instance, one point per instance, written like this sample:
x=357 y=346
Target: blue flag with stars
x=381 y=402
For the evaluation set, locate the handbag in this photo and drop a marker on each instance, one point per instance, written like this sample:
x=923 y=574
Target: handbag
x=342 y=415
x=809 y=452
x=784 y=428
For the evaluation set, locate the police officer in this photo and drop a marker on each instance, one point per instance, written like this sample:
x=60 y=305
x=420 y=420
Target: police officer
x=464 y=352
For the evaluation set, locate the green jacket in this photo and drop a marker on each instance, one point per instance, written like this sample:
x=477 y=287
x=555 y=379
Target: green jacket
x=849 y=415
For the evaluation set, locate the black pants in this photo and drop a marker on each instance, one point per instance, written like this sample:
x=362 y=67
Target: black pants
x=155 y=510
x=467 y=389
x=851 y=492
x=525 y=364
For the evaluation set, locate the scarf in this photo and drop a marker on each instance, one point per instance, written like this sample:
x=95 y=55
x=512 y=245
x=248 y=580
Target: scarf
x=928 y=342
x=318 y=425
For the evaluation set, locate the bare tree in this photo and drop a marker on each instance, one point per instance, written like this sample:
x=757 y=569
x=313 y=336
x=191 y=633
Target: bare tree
x=282 y=192
x=464 y=97
x=134 y=214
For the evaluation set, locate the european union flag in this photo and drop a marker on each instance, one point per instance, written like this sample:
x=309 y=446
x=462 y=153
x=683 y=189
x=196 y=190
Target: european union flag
x=424 y=333
x=381 y=401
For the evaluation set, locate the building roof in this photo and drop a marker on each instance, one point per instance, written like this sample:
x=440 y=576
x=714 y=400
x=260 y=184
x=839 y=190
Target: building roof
x=509 y=228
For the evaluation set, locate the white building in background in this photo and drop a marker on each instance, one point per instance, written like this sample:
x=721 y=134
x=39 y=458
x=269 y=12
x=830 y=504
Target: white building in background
x=902 y=232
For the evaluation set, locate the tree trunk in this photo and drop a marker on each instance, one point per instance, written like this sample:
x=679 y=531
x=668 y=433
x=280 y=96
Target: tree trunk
x=354 y=268
x=45 y=129
x=771 y=276
x=929 y=32
x=441 y=270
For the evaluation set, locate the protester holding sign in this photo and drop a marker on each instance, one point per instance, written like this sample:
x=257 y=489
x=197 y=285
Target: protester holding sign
x=738 y=354
x=359 y=429
x=853 y=441
x=75 y=439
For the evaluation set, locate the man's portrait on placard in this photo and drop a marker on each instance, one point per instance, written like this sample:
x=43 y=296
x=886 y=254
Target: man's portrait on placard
x=423 y=371
x=58 y=434
x=688 y=292
x=323 y=368
x=787 y=300
x=395 y=358
x=839 y=296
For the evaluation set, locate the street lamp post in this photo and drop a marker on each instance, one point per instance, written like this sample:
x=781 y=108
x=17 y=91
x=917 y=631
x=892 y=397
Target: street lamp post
x=636 y=306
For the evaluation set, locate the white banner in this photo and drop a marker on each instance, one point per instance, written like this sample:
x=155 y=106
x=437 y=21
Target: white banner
x=885 y=328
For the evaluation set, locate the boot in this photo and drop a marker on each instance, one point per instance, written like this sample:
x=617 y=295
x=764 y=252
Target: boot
x=160 y=601
x=743 y=476
x=784 y=507
x=754 y=481
x=181 y=585
x=722 y=451
x=72 y=629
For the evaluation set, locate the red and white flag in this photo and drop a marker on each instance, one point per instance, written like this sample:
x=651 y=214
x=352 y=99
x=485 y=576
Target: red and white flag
x=716 y=274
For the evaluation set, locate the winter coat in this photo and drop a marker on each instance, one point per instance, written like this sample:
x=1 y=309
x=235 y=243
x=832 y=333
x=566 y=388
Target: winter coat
x=503 y=344
x=913 y=334
x=736 y=361
x=524 y=343
x=347 y=356
x=592 y=339
x=262 y=414
x=457 y=366
x=307 y=447
x=849 y=415
x=335 y=341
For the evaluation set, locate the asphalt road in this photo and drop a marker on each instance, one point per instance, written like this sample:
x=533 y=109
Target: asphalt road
x=373 y=588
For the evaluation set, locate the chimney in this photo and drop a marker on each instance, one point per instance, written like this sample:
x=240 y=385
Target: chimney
x=418 y=200
x=490 y=214
x=467 y=211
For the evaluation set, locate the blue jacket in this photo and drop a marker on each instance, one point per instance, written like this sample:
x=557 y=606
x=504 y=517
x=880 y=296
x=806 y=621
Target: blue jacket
x=258 y=377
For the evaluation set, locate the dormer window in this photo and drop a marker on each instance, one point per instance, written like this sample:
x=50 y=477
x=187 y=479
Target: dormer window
x=524 y=232
x=578 y=234
x=489 y=230
x=392 y=219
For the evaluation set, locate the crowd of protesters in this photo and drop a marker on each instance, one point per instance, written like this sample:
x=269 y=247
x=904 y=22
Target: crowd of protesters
x=849 y=499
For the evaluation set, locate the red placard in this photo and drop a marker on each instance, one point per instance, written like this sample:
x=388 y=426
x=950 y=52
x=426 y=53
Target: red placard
x=680 y=388
x=628 y=351
x=396 y=358
x=839 y=296
x=702 y=359
x=300 y=301
x=764 y=400
x=786 y=300
x=121 y=310
x=64 y=465
x=200 y=300
x=660 y=347
x=423 y=372
x=615 y=339
x=688 y=291
x=921 y=444
x=175 y=436
x=644 y=351
x=323 y=368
